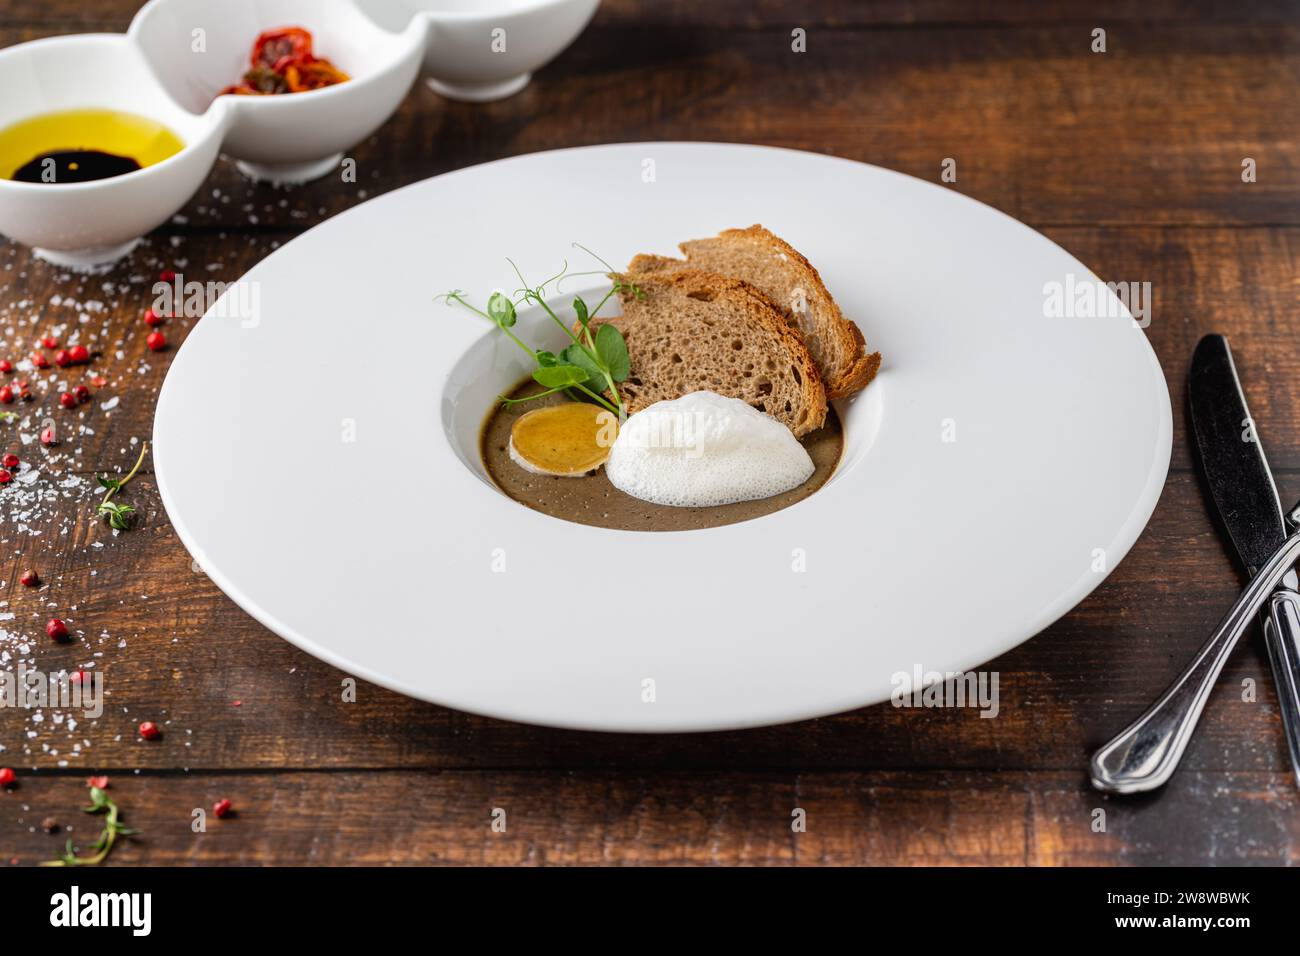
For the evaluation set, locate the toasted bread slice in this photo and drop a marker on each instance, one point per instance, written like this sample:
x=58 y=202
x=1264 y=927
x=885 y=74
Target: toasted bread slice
x=776 y=269
x=691 y=330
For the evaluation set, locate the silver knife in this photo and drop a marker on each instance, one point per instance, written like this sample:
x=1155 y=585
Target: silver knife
x=1241 y=486
x=1146 y=753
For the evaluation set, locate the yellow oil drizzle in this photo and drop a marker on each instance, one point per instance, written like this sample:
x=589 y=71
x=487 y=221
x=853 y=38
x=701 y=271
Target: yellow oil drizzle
x=110 y=131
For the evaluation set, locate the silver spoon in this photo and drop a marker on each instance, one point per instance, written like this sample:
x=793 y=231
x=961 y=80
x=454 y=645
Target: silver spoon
x=1145 y=755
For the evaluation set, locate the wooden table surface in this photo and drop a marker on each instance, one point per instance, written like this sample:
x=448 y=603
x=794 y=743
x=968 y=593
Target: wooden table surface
x=1131 y=159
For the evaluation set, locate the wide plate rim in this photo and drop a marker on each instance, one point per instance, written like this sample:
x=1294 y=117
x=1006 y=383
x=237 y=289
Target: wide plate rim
x=1125 y=538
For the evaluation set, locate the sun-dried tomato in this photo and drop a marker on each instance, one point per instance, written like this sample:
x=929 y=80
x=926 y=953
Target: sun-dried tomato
x=309 y=73
x=282 y=62
x=275 y=45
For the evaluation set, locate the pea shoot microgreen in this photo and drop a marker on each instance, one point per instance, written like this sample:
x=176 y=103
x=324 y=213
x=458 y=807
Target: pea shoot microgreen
x=100 y=802
x=118 y=514
x=591 y=366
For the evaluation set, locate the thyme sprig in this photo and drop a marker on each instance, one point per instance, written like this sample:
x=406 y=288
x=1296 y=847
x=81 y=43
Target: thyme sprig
x=100 y=802
x=118 y=514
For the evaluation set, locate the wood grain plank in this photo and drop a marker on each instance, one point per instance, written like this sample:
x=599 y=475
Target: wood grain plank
x=191 y=654
x=771 y=14
x=849 y=14
x=1240 y=282
x=1131 y=160
x=1153 y=131
x=554 y=818
x=228 y=693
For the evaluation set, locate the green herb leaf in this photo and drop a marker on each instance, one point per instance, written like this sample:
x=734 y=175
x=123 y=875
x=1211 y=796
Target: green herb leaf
x=592 y=370
x=501 y=310
x=612 y=349
x=579 y=356
x=118 y=514
x=559 y=376
x=101 y=802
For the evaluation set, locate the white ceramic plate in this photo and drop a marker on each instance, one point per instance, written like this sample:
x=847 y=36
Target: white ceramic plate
x=319 y=459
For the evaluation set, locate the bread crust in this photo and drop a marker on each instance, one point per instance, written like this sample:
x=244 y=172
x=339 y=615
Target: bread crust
x=840 y=382
x=756 y=306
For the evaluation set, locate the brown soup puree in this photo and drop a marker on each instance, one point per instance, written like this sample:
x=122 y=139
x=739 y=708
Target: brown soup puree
x=593 y=500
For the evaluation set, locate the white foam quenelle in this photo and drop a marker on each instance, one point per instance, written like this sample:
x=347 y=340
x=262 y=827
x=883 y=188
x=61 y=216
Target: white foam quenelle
x=704 y=449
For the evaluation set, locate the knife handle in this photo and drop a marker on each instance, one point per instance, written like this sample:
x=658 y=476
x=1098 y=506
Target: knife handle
x=1146 y=754
x=1282 y=636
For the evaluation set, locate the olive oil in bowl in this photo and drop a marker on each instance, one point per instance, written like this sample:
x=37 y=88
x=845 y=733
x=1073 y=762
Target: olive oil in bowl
x=78 y=146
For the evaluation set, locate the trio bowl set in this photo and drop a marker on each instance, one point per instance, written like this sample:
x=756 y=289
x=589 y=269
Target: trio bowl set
x=177 y=57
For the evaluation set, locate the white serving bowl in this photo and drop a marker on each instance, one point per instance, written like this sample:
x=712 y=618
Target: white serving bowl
x=82 y=225
x=295 y=137
x=482 y=50
x=170 y=67
x=177 y=57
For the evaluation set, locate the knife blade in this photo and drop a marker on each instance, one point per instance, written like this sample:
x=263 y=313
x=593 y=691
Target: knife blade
x=1245 y=497
x=1236 y=471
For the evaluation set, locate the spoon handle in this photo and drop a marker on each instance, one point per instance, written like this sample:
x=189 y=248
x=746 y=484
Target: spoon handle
x=1145 y=755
